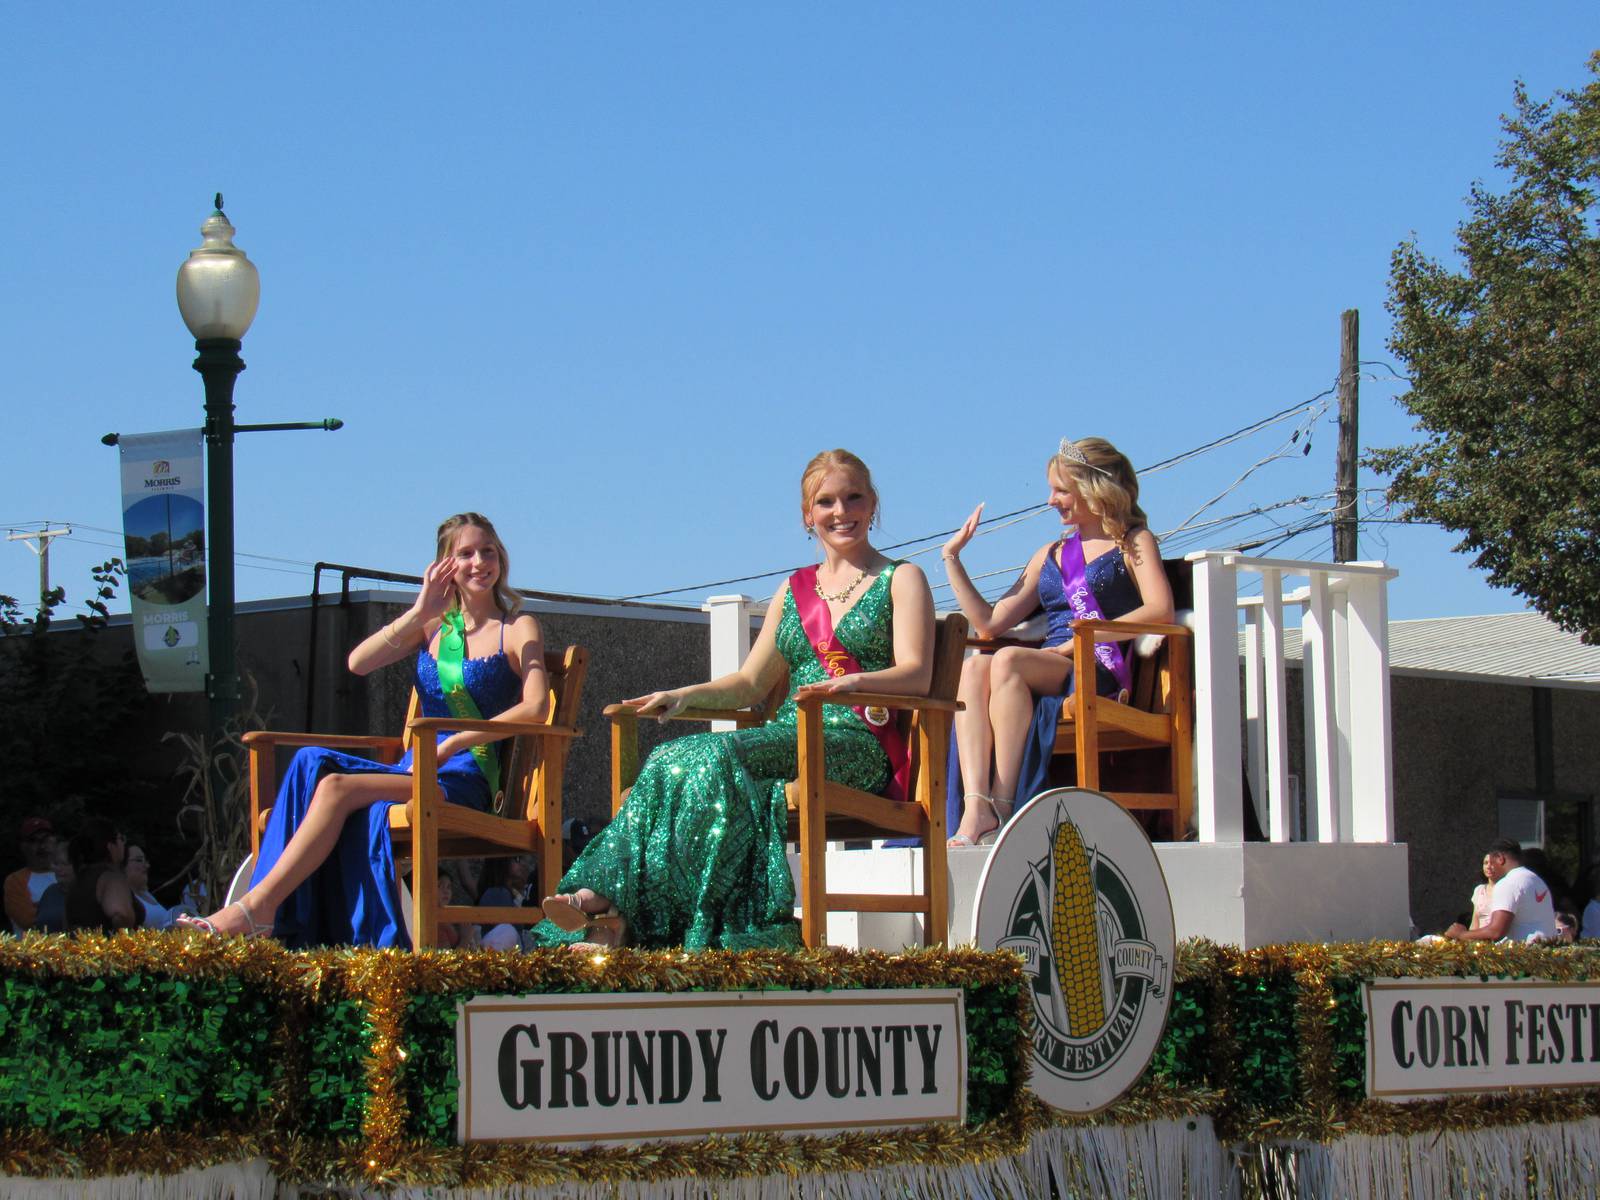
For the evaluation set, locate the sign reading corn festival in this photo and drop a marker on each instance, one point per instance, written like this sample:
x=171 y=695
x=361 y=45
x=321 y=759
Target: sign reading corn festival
x=1073 y=886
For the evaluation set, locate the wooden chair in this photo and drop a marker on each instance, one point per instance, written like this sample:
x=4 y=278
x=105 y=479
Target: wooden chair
x=525 y=817
x=1140 y=753
x=821 y=810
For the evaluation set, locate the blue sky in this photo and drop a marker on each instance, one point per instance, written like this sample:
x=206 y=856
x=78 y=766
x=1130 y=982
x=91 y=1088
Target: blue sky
x=612 y=273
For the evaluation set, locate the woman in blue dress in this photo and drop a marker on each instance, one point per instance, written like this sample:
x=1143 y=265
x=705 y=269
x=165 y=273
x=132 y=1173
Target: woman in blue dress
x=325 y=874
x=1107 y=565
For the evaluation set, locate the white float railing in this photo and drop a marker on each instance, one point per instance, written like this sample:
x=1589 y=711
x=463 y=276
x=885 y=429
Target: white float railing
x=1344 y=622
x=1344 y=631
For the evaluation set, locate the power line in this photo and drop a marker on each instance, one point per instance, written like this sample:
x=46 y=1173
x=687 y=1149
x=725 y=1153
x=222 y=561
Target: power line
x=1243 y=431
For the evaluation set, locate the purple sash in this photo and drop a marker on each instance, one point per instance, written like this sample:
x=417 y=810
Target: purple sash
x=1086 y=607
x=836 y=660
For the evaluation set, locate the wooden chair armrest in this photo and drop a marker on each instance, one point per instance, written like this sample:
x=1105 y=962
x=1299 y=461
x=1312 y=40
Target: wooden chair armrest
x=1094 y=628
x=996 y=643
x=504 y=729
x=885 y=700
x=895 y=700
x=744 y=716
x=269 y=738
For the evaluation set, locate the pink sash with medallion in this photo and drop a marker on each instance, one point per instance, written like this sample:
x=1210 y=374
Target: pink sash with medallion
x=836 y=660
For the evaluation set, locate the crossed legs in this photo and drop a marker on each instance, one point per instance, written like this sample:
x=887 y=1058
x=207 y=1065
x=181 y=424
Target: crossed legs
x=336 y=798
x=998 y=691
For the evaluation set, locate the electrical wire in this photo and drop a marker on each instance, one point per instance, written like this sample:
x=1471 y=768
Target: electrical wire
x=1316 y=405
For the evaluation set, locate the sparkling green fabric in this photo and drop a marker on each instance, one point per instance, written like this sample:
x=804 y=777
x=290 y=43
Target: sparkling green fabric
x=696 y=858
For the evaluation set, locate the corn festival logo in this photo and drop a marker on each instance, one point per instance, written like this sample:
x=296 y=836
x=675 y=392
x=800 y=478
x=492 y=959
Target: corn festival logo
x=1073 y=886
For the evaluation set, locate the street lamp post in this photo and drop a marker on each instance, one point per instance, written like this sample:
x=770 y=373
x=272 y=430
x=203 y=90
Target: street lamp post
x=218 y=291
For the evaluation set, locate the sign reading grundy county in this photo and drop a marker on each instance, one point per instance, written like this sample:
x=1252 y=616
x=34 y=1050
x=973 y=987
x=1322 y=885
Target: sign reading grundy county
x=1074 y=887
x=588 y=1068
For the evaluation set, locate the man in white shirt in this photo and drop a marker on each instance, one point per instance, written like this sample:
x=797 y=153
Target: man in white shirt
x=1520 y=909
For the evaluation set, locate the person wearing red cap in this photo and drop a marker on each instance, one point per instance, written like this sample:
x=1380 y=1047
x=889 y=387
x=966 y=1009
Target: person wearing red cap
x=25 y=885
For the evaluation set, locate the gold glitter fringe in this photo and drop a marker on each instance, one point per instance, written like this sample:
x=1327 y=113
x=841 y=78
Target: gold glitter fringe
x=383 y=981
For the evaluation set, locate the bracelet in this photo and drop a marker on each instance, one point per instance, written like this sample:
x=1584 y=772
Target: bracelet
x=389 y=640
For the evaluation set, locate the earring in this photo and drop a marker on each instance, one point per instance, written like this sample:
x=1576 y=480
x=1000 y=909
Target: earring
x=811 y=531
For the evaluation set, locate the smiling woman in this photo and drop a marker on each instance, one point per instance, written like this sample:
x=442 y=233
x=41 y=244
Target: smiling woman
x=696 y=857
x=325 y=875
x=1106 y=564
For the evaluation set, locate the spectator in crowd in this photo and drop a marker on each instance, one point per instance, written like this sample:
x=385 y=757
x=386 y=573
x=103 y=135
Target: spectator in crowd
x=1537 y=861
x=52 y=917
x=1481 y=895
x=137 y=868
x=100 y=897
x=1520 y=909
x=455 y=888
x=505 y=884
x=27 y=883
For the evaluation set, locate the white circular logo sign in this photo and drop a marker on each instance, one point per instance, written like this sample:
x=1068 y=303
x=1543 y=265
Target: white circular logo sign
x=1073 y=886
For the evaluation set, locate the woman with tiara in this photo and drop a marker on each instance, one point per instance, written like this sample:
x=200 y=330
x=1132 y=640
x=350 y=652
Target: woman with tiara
x=1105 y=565
x=696 y=857
x=325 y=874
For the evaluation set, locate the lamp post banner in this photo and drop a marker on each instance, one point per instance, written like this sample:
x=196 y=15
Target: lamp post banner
x=164 y=534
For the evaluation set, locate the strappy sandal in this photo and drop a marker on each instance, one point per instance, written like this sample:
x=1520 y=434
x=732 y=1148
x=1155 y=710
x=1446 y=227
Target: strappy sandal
x=567 y=915
x=205 y=925
x=960 y=841
x=1002 y=814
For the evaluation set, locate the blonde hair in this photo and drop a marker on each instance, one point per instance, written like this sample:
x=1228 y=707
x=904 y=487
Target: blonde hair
x=1104 y=479
x=834 y=460
x=505 y=597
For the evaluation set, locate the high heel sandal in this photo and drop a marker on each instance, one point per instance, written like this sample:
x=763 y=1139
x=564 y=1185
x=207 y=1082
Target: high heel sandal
x=569 y=916
x=1002 y=813
x=960 y=841
x=205 y=925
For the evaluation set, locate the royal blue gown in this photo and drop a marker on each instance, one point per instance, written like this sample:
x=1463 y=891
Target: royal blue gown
x=1117 y=592
x=353 y=897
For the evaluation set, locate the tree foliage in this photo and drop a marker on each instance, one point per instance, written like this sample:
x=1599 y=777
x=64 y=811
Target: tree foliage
x=64 y=700
x=1504 y=359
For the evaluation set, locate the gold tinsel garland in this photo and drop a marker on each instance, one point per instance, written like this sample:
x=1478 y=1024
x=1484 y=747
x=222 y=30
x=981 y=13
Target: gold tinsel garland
x=383 y=981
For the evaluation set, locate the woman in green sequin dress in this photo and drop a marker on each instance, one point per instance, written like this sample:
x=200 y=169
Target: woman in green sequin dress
x=697 y=857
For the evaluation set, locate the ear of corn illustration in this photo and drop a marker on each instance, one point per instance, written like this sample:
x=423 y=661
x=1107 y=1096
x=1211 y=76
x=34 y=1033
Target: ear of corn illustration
x=1074 y=934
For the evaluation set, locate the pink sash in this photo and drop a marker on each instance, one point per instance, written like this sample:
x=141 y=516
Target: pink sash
x=1086 y=607
x=836 y=660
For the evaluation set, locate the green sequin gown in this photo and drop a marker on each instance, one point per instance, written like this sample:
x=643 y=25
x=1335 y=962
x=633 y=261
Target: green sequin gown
x=696 y=857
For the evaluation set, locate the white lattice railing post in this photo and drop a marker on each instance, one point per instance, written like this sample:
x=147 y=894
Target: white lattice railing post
x=1219 y=750
x=1371 y=737
x=1322 y=732
x=730 y=638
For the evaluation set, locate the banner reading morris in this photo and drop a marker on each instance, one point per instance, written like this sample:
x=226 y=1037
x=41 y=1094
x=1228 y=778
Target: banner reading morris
x=164 y=528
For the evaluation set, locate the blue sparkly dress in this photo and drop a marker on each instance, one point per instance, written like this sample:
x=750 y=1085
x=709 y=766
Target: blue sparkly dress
x=697 y=857
x=1118 y=594
x=352 y=898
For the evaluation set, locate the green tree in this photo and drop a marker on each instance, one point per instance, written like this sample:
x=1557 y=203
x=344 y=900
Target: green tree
x=1504 y=359
x=66 y=701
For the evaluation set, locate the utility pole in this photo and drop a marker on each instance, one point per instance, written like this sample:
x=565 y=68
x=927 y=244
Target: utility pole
x=1344 y=490
x=43 y=537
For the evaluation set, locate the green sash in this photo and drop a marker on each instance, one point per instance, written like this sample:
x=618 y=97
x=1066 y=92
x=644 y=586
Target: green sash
x=452 y=681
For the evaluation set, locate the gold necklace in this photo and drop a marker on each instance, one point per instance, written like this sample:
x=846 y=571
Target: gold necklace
x=841 y=597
